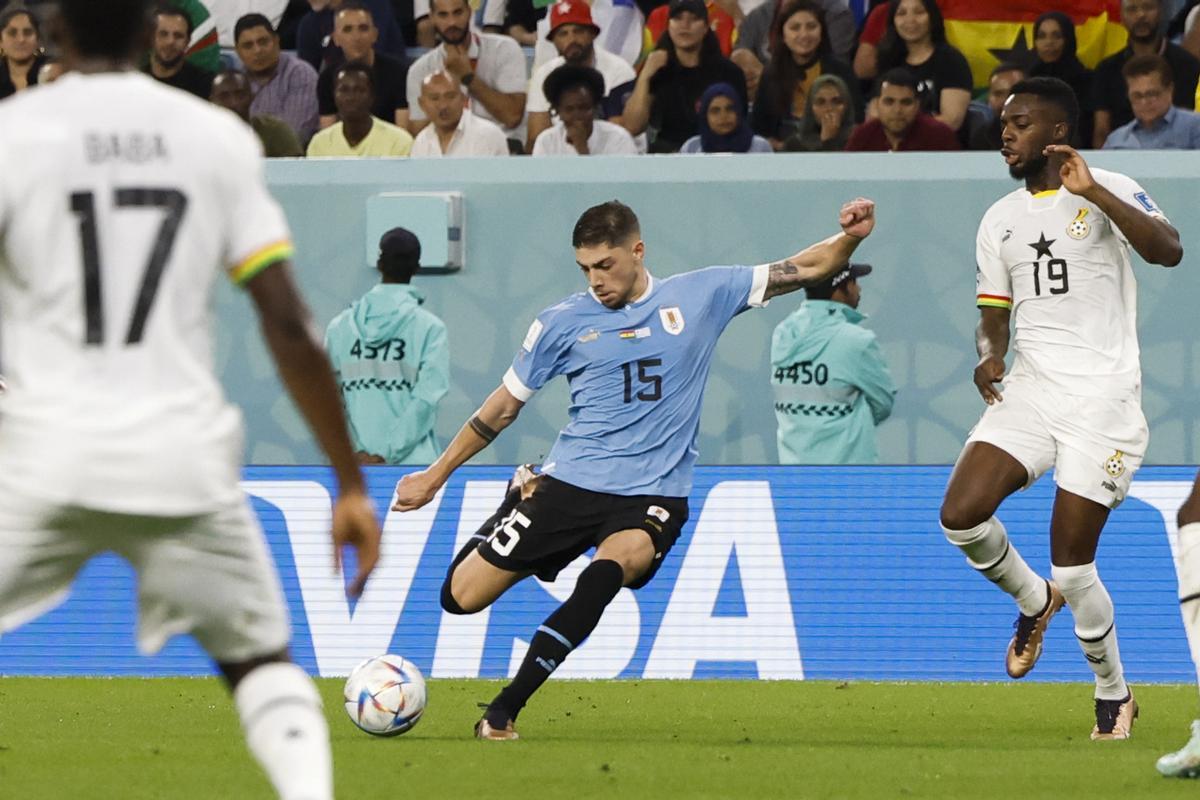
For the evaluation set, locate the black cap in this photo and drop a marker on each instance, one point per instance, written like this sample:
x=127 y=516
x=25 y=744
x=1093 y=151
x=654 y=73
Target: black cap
x=697 y=7
x=400 y=243
x=841 y=276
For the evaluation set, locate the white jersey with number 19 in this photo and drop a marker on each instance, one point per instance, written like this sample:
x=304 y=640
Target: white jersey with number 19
x=1063 y=268
x=121 y=202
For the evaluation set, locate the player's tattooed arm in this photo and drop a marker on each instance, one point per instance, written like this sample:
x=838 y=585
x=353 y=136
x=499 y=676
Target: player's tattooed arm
x=497 y=412
x=817 y=262
x=807 y=267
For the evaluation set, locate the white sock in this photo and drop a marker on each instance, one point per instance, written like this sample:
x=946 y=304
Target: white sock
x=989 y=551
x=1094 y=626
x=286 y=731
x=1187 y=567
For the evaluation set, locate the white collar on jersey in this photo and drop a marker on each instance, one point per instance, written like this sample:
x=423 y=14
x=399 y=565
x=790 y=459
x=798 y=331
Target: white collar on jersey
x=644 y=295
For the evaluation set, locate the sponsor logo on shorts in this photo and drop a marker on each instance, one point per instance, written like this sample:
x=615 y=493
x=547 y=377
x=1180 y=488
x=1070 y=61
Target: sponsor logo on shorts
x=659 y=513
x=1079 y=227
x=1115 y=465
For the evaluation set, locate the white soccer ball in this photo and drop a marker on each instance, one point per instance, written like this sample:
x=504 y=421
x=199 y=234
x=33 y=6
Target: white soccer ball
x=385 y=695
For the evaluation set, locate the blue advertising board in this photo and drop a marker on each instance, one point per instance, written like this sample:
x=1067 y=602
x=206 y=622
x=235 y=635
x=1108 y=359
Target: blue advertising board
x=782 y=573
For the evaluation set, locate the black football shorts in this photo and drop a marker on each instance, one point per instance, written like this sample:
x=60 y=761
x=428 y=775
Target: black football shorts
x=559 y=522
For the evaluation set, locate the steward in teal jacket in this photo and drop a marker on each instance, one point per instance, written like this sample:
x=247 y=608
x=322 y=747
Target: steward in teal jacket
x=831 y=384
x=392 y=362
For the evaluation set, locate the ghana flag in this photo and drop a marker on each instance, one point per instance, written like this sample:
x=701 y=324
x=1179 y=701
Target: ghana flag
x=989 y=32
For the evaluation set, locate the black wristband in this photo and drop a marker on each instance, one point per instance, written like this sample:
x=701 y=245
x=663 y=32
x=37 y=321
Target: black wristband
x=482 y=430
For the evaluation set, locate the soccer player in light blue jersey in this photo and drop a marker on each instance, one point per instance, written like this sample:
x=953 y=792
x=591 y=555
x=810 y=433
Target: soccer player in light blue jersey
x=636 y=351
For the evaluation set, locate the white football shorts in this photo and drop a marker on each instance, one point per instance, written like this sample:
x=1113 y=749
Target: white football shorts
x=1094 y=444
x=209 y=575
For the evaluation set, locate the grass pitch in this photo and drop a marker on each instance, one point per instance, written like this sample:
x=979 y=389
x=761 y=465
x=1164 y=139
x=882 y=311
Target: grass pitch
x=179 y=738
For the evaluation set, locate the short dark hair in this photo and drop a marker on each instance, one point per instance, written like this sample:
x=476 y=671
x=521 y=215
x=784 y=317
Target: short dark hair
x=610 y=223
x=249 y=22
x=111 y=29
x=398 y=268
x=1055 y=92
x=1149 y=64
x=898 y=76
x=354 y=5
x=823 y=290
x=466 y=3
x=359 y=67
x=1008 y=66
x=165 y=9
x=17 y=10
x=570 y=76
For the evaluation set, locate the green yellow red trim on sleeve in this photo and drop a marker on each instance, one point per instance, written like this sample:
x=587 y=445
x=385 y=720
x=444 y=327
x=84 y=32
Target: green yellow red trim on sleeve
x=259 y=260
x=993 y=301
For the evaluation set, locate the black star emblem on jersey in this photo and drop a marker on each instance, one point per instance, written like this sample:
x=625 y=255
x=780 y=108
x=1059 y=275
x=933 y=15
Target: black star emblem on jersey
x=1042 y=246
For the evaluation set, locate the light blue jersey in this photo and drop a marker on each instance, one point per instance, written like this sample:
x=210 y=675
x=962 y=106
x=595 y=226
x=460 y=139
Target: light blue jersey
x=637 y=377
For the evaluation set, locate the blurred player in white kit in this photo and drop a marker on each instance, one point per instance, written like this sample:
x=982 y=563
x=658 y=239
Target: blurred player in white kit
x=121 y=201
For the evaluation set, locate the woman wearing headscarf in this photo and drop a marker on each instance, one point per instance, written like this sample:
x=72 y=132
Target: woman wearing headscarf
x=1054 y=50
x=828 y=118
x=723 y=126
x=800 y=53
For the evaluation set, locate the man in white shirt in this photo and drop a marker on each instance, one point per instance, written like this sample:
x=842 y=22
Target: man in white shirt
x=455 y=131
x=573 y=34
x=492 y=67
x=117 y=435
x=574 y=93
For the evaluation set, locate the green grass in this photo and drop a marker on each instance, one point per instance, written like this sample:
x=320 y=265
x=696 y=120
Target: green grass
x=179 y=738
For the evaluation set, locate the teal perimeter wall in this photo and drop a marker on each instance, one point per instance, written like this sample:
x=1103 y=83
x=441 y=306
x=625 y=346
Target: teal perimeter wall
x=696 y=212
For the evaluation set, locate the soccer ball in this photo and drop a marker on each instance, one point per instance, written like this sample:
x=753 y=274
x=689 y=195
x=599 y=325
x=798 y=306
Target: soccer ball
x=385 y=695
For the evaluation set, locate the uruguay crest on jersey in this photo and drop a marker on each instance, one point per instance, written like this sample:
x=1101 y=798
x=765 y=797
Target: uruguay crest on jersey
x=672 y=320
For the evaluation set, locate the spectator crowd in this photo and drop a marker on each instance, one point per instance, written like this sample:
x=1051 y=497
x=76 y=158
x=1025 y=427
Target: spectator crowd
x=439 y=78
x=432 y=78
